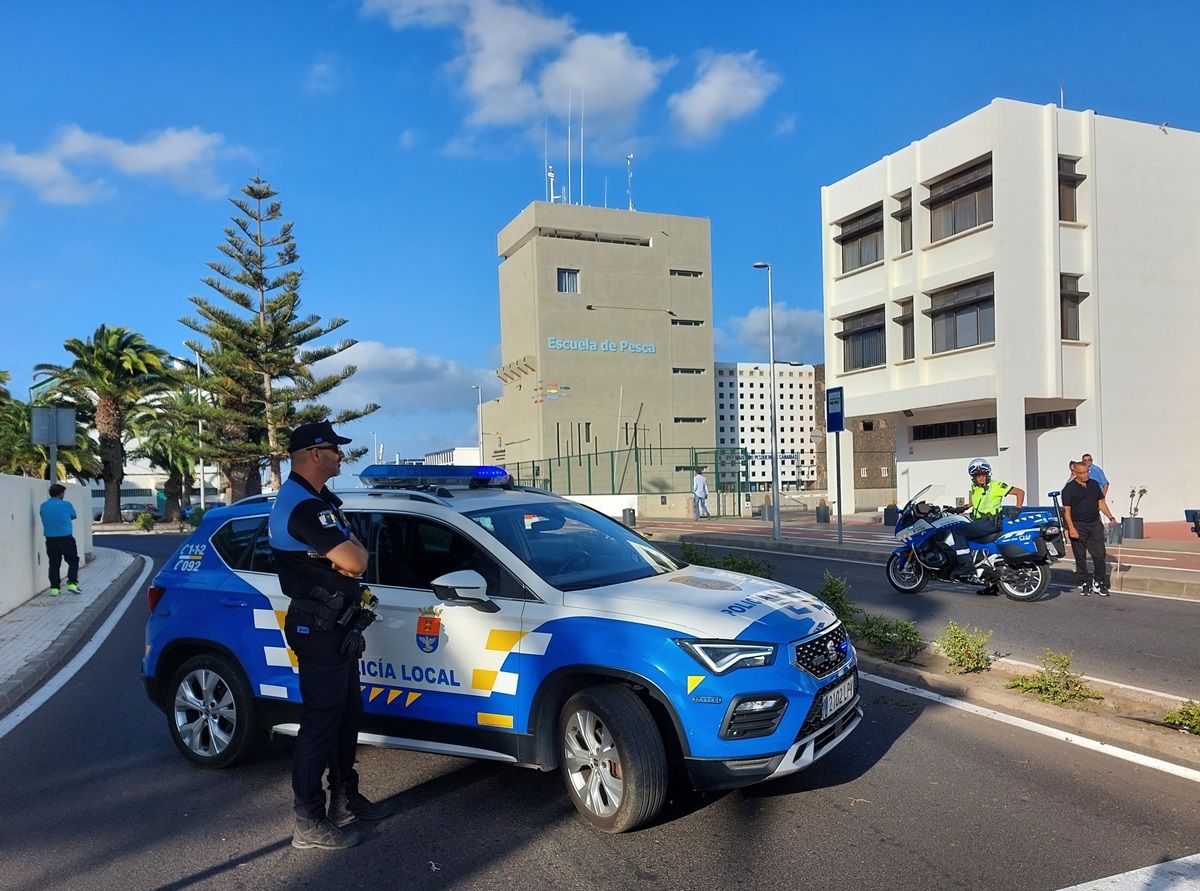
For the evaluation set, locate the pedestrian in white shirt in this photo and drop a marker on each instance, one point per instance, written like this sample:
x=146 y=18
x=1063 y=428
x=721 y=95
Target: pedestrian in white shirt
x=700 y=492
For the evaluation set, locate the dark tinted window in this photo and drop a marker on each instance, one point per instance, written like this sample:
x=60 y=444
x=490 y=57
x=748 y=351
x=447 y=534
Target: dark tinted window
x=410 y=552
x=236 y=541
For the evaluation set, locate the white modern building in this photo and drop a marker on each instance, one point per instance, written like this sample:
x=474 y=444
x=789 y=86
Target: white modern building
x=743 y=413
x=462 y=455
x=1024 y=285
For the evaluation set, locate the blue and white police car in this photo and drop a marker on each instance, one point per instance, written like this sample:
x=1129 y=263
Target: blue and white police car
x=518 y=626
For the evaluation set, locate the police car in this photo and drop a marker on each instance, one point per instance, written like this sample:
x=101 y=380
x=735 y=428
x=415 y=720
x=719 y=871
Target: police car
x=518 y=626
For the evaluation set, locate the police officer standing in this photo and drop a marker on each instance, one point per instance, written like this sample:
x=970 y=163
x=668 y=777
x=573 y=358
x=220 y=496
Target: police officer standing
x=319 y=561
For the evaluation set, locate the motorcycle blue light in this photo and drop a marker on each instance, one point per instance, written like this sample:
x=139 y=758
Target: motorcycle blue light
x=394 y=476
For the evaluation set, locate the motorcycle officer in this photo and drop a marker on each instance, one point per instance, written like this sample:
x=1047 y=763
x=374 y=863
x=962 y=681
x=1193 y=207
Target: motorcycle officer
x=986 y=498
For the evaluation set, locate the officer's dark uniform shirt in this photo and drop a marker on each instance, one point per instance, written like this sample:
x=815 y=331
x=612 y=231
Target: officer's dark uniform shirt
x=1084 y=501
x=304 y=526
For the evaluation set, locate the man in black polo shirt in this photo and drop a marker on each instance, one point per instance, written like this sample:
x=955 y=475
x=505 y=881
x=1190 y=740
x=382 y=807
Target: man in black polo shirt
x=319 y=561
x=1083 y=502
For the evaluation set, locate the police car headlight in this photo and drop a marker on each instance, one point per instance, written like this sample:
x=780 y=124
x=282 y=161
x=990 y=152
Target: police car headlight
x=721 y=656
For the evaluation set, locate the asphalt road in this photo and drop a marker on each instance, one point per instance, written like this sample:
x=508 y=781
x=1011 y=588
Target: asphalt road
x=1148 y=642
x=921 y=796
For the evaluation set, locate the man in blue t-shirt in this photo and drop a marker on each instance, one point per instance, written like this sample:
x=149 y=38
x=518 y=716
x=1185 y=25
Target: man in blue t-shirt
x=57 y=513
x=1095 y=473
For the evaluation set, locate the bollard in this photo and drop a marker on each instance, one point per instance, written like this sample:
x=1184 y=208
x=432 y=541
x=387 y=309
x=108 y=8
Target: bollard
x=628 y=517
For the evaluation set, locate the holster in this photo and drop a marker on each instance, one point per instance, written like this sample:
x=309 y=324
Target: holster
x=321 y=608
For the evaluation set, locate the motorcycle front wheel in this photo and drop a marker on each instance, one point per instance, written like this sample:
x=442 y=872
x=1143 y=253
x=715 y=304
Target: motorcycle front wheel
x=908 y=578
x=1027 y=583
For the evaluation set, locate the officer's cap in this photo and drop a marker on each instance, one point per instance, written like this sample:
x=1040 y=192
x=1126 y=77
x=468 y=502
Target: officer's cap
x=315 y=434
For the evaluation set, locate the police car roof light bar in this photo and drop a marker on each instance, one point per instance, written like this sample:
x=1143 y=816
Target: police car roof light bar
x=407 y=476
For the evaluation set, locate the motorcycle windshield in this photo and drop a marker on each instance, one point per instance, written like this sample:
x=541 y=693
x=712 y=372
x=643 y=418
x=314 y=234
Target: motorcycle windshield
x=930 y=493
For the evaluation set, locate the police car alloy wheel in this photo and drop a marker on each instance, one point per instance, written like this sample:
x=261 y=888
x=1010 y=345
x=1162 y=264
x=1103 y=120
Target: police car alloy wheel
x=209 y=712
x=612 y=758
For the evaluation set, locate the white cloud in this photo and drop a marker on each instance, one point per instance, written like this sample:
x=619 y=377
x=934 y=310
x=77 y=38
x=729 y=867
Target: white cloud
x=323 y=76
x=785 y=125
x=799 y=334
x=727 y=86
x=186 y=158
x=408 y=139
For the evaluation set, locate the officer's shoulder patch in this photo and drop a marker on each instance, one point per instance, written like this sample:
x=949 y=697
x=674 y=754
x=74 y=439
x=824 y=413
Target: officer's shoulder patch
x=327 y=519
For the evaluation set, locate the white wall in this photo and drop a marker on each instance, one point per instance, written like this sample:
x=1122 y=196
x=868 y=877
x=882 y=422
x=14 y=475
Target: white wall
x=23 y=542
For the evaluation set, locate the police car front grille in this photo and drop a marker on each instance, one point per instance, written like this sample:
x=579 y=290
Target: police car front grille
x=812 y=721
x=822 y=656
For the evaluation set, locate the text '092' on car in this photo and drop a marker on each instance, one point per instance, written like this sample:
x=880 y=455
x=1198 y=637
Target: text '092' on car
x=516 y=626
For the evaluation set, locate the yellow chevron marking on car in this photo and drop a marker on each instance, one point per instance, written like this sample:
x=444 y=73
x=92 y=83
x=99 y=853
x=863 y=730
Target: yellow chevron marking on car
x=280 y=617
x=503 y=639
x=489 y=720
x=694 y=681
x=412 y=697
x=483 y=679
x=375 y=691
x=392 y=694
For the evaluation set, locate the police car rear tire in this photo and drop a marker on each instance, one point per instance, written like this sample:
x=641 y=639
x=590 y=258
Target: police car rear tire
x=612 y=758
x=210 y=712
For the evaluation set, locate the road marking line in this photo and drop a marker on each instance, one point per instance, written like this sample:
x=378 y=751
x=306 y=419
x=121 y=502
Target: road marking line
x=1181 y=873
x=1074 y=739
x=68 y=671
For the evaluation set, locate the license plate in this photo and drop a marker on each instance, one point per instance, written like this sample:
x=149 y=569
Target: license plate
x=837 y=697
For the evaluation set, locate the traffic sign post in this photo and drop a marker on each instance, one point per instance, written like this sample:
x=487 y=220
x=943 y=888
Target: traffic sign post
x=835 y=423
x=52 y=427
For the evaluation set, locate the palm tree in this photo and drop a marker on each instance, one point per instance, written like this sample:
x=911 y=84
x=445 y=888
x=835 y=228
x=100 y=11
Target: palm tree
x=20 y=457
x=5 y=398
x=165 y=427
x=112 y=371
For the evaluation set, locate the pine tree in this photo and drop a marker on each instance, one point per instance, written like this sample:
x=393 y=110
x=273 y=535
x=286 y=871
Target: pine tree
x=258 y=358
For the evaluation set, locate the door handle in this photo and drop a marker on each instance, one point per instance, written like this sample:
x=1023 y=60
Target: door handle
x=234 y=601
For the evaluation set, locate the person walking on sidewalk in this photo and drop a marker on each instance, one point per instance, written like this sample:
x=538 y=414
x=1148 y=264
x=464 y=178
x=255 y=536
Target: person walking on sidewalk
x=1083 y=502
x=320 y=560
x=57 y=513
x=700 y=495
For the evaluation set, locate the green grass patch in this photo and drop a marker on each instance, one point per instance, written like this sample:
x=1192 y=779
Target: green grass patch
x=966 y=650
x=1054 y=681
x=1186 y=717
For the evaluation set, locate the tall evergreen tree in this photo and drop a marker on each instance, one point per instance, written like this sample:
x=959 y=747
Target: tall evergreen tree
x=112 y=371
x=258 y=358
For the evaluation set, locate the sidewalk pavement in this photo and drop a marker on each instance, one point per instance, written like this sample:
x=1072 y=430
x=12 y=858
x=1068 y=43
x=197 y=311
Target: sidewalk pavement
x=42 y=634
x=867 y=540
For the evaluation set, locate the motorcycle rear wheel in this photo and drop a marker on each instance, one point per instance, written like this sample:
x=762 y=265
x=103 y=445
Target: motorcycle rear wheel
x=1028 y=583
x=909 y=578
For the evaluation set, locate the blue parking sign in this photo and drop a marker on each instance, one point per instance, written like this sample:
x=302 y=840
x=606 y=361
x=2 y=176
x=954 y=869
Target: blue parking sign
x=835 y=414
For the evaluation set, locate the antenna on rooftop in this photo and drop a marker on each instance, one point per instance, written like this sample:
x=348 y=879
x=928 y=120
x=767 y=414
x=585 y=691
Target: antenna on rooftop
x=547 y=170
x=582 y=100
x=1062 y=95
x=550 y=196
x=629 y=179
x=569 y=97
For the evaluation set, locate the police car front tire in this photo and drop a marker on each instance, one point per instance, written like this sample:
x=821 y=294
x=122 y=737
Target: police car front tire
x=612 y=758
x=210 y=712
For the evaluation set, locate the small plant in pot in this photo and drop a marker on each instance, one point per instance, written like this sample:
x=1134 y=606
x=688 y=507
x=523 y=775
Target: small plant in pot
x=891 y=514
x=1131 y=525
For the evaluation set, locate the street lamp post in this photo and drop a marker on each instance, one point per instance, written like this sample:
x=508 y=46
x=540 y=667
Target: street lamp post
x=776 y=533
x=200 y=431
x=479 y=418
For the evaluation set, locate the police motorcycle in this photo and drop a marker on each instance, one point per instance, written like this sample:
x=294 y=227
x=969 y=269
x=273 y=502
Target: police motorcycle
x=1016 y=559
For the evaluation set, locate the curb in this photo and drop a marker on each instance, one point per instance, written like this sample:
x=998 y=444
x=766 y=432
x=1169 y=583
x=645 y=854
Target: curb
x=1136 y=730
x=31 y=675
x=1147 y=581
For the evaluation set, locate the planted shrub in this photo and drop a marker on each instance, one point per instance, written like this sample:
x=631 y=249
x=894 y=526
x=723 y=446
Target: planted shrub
x=1054 y=681
x=194 y=518
x=835 y=593
x=1186 y=717
x=896 y=641
x=744 y=563
x=966 y=650
x=144 y=522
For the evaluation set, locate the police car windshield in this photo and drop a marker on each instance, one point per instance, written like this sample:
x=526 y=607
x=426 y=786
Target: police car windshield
x=572 y=547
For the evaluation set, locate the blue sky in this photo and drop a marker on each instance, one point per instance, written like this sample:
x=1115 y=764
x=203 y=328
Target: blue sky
x=403 y=134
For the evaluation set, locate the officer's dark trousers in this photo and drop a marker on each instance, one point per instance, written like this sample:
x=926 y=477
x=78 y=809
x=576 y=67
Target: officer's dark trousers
x=58 y=548
x=329 y=718
x=973 y=531
x=1090 y=541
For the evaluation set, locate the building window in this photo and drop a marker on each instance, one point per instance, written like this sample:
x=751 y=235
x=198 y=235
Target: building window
x=568 y=281
x=1068 y=183
x=905 y=321
x=903 y=216
x=954 y=429
x=687 y=371
x=868 y=426
x=1048 y=420
x=690 y=323
x=686 y=273
x=690 y=420
x=963 y=316
x=1070 y=298
x=862 y=340
x=861 y=238
x=960 y=201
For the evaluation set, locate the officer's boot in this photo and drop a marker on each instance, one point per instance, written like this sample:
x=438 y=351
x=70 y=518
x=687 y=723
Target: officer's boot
x=322 y=833
x=346 y=806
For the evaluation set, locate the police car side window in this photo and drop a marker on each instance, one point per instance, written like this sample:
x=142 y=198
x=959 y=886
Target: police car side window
x=236 y=540
x=262 y=558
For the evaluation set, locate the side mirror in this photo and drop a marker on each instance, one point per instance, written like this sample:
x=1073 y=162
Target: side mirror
x=465 y=586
